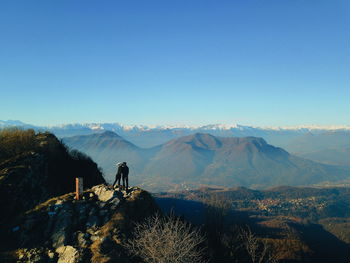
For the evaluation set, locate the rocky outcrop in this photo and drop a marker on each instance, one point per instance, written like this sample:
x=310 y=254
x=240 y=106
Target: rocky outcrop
x=92 y=229
x=44 y=169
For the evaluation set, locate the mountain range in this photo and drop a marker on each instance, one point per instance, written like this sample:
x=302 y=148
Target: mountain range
x=204 y=159
x=325 y=144
x=328 y=147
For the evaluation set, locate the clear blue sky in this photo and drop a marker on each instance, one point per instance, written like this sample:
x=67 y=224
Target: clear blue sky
x=255 y=62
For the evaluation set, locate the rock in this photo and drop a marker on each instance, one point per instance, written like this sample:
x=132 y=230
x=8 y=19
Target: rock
x=115 y=201
x=102 y=204
x=93 y=220
x=94 y=238
x=75 y=232
x=67 y=254
x=58 y=238
x=61 y=229
x=82 y=211
x=50 y=254
x=83 y=239
x=35 y=257
x=104 y=193
x=59 y=202
x=90 y=232
x=31 y=255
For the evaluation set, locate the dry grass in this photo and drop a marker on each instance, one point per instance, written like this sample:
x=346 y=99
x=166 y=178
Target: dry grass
x=14 y=141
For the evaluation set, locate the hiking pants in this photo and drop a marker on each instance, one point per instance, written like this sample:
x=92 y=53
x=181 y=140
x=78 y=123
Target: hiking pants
x=117 y=178
x=125 y=179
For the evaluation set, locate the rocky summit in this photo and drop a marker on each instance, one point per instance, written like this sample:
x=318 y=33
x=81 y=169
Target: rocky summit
x=37 y=167
x=92 y=229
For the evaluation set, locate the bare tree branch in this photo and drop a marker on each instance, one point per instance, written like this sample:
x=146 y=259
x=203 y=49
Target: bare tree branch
x=166 y=240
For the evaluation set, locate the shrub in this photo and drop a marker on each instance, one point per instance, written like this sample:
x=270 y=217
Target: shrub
x=259 y=250
x=166 y=240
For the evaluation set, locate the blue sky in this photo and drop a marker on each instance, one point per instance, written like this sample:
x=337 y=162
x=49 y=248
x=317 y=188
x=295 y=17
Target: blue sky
x=253 y=62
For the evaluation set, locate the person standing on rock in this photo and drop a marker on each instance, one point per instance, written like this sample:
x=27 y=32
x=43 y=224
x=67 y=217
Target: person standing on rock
x=125 y=175
x=118 y=175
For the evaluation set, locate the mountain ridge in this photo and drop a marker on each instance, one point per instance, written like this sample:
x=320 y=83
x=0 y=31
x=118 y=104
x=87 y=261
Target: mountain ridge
x=204 y=159
x=311 y=142
x=115 y=126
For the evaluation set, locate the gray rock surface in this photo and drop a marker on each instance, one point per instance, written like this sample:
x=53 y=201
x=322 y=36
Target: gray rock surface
x=104 y=193
x=66 y=230
x=67 y=254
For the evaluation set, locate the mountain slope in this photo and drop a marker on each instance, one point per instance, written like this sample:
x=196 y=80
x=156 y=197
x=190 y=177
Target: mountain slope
x=330 y=147
x=186 y=157
x=35 y=167
x=335 y=156
x=250 y=161
x=107 y=149
x=202 y=158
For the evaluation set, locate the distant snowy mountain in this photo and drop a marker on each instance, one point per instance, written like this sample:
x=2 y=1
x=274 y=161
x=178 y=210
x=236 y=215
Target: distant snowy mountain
x=222 y=127
x=310 y=141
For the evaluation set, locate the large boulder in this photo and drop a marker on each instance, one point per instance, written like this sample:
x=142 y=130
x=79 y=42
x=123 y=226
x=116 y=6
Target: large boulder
x=67 y=254
x=104 y=193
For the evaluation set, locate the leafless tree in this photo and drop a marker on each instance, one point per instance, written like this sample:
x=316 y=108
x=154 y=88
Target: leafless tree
x=258 y=250
x=166 y=240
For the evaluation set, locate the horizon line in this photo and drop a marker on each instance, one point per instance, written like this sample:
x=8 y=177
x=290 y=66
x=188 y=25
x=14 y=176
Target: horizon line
x=223 y=126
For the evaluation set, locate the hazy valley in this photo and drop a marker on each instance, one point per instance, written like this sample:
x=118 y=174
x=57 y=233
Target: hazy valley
x=203 y=159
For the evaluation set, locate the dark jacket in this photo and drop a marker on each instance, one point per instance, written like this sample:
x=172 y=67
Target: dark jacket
x=119 y=172
x=124 y=170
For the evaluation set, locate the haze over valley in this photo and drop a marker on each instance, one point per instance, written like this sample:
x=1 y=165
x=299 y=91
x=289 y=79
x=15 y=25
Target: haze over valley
x=176 y=158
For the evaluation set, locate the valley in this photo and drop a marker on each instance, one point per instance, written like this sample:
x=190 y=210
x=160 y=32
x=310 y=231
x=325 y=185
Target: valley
x=202 y=159
x=297 y=221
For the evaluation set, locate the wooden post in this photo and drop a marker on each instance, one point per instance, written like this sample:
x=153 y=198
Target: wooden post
x=78 y=187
